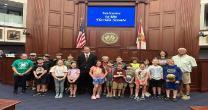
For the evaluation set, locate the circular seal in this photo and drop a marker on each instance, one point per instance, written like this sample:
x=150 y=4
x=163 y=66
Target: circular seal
x=109 y=38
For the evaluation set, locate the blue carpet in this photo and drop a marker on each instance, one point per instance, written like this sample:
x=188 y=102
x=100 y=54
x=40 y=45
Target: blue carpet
x=83 y=102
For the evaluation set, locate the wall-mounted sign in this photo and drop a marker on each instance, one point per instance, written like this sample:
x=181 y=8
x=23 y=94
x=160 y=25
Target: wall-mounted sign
x=109 y=16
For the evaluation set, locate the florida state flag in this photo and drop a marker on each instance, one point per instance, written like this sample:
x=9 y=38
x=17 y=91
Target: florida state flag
x=140 y=41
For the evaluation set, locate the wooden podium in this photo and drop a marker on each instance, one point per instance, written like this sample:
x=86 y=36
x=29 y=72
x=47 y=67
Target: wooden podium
x=6 y=104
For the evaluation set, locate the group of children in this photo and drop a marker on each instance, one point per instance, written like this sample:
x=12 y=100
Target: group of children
x=113 y=78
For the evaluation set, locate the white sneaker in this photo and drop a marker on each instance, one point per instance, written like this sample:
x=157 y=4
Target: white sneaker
x=57 y=96
x=147 y=94
x=97 y=96
x=93 y=97
x=61 y=95
x=185 y=97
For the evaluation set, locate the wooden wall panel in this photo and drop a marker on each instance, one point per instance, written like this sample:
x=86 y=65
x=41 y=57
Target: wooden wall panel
x=154 y=21
x=154 y=39
x=67 y=39
x=69 y=21
x=190 y=13
x=128 y=40
x=91 y=38
x=169 y=5
x=54 y=40
x=168 y=39
x=69 y=6
x=154 y=6
x=37 y=22
x=54 y=19
x=169 y=20
x=55 y=5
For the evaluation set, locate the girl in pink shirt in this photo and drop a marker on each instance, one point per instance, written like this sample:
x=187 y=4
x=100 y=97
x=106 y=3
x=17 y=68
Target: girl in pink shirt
x=72 y=76
x=98 y=75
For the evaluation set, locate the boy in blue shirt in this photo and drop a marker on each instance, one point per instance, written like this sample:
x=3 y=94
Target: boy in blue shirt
x=172 y=76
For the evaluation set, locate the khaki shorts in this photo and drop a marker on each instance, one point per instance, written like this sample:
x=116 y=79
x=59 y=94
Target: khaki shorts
x=130 y=85
x=186 y=78
x=117 y=85
x=109 y=83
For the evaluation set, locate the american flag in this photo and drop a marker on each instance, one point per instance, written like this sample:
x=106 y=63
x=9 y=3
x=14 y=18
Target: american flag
x=81 y=38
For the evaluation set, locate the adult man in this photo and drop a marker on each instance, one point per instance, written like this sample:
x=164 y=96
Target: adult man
x=21 y=68
x=185 y=63
x=85 y=61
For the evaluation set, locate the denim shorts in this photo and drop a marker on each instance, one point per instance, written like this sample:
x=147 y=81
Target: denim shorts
x=98 y=80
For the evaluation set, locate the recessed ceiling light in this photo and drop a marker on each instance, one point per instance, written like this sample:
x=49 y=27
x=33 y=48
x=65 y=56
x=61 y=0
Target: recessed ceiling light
x=5 y=4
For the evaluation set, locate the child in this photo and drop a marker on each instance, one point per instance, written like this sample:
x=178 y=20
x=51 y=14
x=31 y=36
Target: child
x=73 y=75
x=147 y=63
x=141 y=77
x=109 y=78
x=120 y=60
x=118 y=80
x=39 y=72
x=172 y=76
x=130 y=73
x=163 y=58
x=69 y=61
x=105 y=60
x=59 y=73
x=156 y=78
x=98 y=75
x=135 y=65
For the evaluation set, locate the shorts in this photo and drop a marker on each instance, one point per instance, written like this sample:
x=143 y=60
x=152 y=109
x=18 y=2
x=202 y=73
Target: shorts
x=138 y=82
x=128 y=84
x=109 y=83
x=170 y=85
x=118 y=86
x=98 y=81
x=30 y=76
x=156 y=83
x=186 y=78
x=42 y=80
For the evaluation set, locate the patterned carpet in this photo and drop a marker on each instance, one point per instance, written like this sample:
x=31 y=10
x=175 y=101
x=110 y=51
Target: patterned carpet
x=83 y=102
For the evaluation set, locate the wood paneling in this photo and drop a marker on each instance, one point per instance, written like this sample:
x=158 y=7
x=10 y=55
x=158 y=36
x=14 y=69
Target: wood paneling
x=69 y=21
x=54 y=19
x=154 y=39
x=175 y=21
x=154 y=6
x=154 y=21
x=169 y=19
x=168 y=39
x=54 y=40
x=55 y=5
x=169 y=5
x=67 y=39
x=69 y=6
